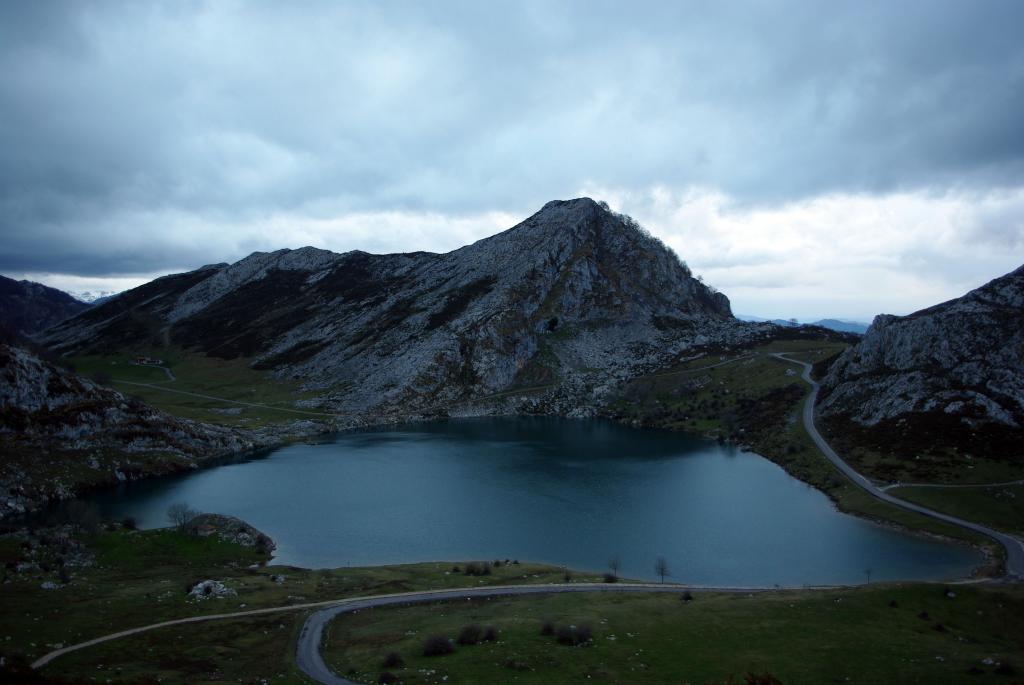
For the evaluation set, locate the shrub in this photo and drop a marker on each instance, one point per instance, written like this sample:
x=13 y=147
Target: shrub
x=490 y=634
x=456 y=569
x=573 y=635
x=470 y=635
x=1005 y=669
x=686 y=596
x=939 y=628
x=923 y=616
x=547 y=628
x=130 y=523
x=566 y=577
x=761 y=679
x=393 y=660
x=437 y=645
x=611 y=578
x=478 y=568
x=387 y=677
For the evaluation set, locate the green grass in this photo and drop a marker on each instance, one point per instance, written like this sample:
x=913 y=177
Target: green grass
x=1001 y=506
x=227 y=379
x=141 y=577
x=808 y=637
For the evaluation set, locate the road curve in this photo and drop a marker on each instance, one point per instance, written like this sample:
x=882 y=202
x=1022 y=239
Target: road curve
x=311 y=662
x=1014 y=547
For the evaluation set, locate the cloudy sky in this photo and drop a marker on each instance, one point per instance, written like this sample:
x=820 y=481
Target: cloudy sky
x=808 y=158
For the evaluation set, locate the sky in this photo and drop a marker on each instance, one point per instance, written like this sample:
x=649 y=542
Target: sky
x=809 y=159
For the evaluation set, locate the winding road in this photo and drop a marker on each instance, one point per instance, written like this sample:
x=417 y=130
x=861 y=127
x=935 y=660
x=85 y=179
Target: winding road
x=1014 y=547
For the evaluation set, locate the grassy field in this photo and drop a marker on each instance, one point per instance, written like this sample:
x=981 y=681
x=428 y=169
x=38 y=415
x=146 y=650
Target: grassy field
x=134 y=578
x=811 y=637
x=757 y=400
x=1001 y=507
x=227 y=379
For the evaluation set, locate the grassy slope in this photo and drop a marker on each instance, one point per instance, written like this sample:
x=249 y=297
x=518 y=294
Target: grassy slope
x=756 y=402
x=231 y=380
x=808 y=637
x=1001 y=507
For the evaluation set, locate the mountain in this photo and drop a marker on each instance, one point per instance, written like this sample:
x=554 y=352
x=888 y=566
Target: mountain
x=837 y=325
x=574 y=294
x=28 y=308
x=950 y=375
x=842 y=326
x=98 y=297
x=62 y=433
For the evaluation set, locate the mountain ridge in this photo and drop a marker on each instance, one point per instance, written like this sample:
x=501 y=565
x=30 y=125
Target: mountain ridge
x=573 y=289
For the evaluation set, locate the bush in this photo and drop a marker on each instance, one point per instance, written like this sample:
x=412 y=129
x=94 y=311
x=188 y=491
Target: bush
x=490 y=634
x=130 y=523
x=437 y=645
x=761 y=679
x=393 y=660
x=573 y=635
x=686 y=596
x=478 y=568
x=470 y=635
x=547 y=628
x=387 y=677
x=611 y=578
x=1005 y=669
x=566 y=577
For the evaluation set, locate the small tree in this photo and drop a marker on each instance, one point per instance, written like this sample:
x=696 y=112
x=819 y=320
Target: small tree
x=180 y=514
x=614 y=564
x=661 y=568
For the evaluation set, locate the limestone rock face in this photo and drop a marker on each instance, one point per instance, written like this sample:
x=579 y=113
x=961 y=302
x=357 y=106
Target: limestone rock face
x=960 y=362
x=574 y=289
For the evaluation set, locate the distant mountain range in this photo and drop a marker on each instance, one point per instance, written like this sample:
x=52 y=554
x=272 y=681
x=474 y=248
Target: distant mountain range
x=28 y=308
x=839 y=325
x=89 y=297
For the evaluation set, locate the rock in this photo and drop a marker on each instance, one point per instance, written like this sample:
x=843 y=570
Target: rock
x=210 y=589
x=49 y=585
x=230 y=529
x=958 y=360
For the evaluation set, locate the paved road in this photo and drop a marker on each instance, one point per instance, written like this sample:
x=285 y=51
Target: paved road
x=893 y=486
x=1014 y=547
x=311 y=662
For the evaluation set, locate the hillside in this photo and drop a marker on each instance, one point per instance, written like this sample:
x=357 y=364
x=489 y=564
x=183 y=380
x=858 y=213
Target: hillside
x=28 y=308
x=573 y=297
x=61 y=433
x=946 y=382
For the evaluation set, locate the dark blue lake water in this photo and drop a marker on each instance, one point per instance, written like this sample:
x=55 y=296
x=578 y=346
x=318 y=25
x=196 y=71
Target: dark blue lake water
x=567 y=492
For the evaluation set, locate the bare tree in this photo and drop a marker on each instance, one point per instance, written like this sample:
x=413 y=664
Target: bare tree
x=614 y=564
x=180 y=514
x=661 y=568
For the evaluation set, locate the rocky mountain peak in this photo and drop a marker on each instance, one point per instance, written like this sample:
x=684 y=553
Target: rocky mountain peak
x=574 y=287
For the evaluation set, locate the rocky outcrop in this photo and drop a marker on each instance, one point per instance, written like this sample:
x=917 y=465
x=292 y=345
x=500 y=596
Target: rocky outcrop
x=230 y=529
x=574 y=291
x=28 y=308
x=954 y=371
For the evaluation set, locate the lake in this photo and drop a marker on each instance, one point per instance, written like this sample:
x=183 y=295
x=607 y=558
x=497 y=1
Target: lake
x=566 y=492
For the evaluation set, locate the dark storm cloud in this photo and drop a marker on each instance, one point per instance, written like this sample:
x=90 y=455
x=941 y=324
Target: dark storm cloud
x=128 y=127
